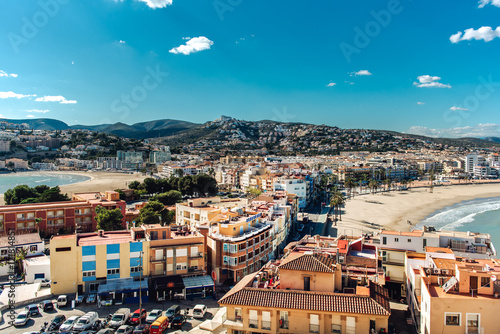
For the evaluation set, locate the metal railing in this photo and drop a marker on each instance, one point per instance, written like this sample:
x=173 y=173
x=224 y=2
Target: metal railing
x=266 y=324
x=313 y=328
x=253 y=323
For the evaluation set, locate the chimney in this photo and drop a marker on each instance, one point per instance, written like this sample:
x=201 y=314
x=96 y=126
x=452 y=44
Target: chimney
x=100 y=233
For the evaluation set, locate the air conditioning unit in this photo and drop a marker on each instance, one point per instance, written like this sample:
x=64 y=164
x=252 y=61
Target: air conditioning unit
x=437 y=271
x=428 y=271
x=445 y=272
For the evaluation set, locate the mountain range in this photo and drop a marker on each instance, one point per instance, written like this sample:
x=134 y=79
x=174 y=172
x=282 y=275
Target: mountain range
x=179 y=131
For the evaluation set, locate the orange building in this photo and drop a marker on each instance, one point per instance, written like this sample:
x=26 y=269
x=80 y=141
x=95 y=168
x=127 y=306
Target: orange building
x=68 y=217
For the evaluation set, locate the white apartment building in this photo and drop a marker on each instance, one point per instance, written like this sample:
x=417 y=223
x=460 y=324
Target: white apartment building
x=472 y=160
x=293 y=186
x=4 y=145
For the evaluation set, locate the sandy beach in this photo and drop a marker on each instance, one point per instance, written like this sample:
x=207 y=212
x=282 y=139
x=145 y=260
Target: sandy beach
x=99 y=181
x=392 y=210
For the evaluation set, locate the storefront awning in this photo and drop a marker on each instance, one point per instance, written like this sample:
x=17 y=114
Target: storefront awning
x=123 y=285
x=198 y=282
x=173 y=282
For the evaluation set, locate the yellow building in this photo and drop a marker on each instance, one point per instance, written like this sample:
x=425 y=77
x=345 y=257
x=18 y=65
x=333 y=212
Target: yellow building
x=104 y=263
x=297 y=296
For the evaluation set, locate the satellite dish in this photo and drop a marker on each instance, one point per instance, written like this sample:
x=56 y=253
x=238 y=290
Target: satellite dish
x=493 y=278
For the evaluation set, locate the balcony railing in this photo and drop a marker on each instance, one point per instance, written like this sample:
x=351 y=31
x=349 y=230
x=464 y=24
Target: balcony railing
x=155 y=259
x=253 y=323
x=283 y=324
x=194 y=256
x=266 y=325
x=337 y=329
x=313 y=328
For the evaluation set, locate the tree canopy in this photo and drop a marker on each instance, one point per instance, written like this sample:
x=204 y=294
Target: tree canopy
x=201 y=185
x=108 y=220
x=151 y=213
x=23 y=194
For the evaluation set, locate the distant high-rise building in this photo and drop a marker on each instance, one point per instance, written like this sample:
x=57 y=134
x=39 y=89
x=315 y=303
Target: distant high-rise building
x=129 y=156
x=160 y=156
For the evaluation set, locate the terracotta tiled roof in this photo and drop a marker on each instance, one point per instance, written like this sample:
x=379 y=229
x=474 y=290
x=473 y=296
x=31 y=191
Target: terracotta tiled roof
x=305 y=300
x=307 y=262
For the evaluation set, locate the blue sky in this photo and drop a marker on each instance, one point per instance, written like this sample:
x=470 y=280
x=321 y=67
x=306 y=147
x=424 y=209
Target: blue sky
x=427 y=67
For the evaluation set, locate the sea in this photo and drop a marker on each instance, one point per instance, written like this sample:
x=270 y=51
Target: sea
x=33 y=179
x=477 y=215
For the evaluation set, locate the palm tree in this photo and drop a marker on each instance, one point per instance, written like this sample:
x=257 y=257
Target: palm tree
x=349 y=183
x=373 y=185
x=388 y=183
x=337 y=201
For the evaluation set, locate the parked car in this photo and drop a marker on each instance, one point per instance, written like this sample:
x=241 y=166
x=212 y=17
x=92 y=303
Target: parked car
x=153 y=315
x=87 y=332
x=91 y=298
x=137 y=316
x=119 y=318
x=105 y=331
x=124 y=329
x=57 y=322
x=86 y=321
x=199 y=311
x=178 y=321
x=47 y=305
x=62 y=300
x=142 y=329
x=33 y=309
x=45 y=282
x=98 y=324
x=172 y=311
x=22 y=318
x=69 y=323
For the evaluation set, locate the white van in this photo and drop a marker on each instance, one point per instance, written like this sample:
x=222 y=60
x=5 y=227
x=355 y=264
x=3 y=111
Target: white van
x=62 y=300
x=119 y=318
x=199 y=311
x=86 y=321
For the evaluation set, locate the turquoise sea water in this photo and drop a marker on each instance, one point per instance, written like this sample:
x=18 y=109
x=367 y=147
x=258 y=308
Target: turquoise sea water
x=478 y=215
x=33 y=179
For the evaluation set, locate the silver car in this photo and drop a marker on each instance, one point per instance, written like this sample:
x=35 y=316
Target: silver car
x=69 y=323
x=22 y=318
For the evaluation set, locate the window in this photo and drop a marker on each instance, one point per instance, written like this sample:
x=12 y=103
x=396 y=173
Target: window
x=233 y=248
x=337 y=329
x=33 y=248
x=237 y=313
x=3 y=252
x=313 y=323
x=63 y=249
x=307 y=283
x=89 y=273
x=452 y=319
x=181 y=266
x=473 y=323
x=409 y=240
x=485 y=282
x=135 y=269
x=396 y=239
x=225 y=247
x=253 y=321
x=113 y=271
x=384 y=240
x=283 y=319
x=266 y=320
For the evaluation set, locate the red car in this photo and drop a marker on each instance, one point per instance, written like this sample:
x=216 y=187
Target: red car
x=138 y=315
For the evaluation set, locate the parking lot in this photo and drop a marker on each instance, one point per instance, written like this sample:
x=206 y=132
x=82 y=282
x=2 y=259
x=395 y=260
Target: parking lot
x=36 y=322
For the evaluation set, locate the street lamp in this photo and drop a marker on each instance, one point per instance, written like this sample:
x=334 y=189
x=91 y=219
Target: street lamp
x=140 y=287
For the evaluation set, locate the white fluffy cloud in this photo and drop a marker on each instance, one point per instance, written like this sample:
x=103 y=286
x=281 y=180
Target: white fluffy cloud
x=458 y=108
x=195 y=44
x=122 y=42
x=39 y=110
x=30 y=116
x=420 y=103
x=58 y=98
x=484 y=33
x=331 y=84
x=483 y=3
x=4 y=74
x=430 y=81
x=477 y=131
x=157 y=3
x=9 y=95
x=360 y=72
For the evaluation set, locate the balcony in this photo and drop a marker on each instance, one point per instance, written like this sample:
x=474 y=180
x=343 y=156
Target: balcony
x=195 y=256
x=336 y=329
x=284 y=324
x=313 y=328
x=253 y=323
x=266 y=325
x=157 y=259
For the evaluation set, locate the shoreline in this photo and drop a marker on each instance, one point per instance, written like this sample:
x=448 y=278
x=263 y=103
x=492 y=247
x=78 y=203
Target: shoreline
x=368 y=213
x=99 y=181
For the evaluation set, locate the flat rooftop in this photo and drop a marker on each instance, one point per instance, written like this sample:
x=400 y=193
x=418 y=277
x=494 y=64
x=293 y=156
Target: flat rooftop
x=107 y=238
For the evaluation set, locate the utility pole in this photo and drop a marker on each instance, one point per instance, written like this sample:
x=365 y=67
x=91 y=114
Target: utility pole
x=140 y=288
